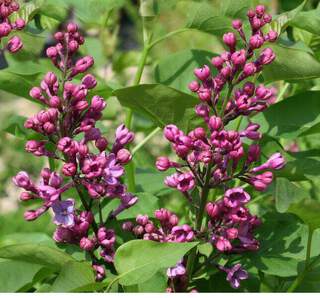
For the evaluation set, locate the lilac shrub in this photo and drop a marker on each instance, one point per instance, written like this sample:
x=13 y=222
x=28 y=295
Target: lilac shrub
x=90 y=165
x=213 y=156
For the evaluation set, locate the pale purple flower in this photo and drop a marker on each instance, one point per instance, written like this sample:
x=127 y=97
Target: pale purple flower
x=235 y=274
x=235 y=197
x=64 y=213
x=178 y=270
x=112 y=171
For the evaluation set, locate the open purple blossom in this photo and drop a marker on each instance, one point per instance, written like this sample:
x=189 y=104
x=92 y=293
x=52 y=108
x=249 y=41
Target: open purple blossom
x=63 y=213
x=235 y=275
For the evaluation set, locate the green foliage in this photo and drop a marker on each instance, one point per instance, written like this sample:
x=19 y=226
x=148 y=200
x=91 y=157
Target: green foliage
x=138 y=260
x=163 y=105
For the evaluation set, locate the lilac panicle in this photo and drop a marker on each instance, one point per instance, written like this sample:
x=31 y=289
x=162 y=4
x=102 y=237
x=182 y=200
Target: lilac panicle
x=90 y=164
x=213 y=156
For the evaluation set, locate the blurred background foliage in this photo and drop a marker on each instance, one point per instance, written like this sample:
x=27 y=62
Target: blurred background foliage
x=114 y=38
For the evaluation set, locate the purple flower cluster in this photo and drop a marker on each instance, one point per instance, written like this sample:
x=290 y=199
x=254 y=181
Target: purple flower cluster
x=67 y=132
x=213 y=157
x=231 y=226
x=7 y=8
x=168 y=230
x=235 y=66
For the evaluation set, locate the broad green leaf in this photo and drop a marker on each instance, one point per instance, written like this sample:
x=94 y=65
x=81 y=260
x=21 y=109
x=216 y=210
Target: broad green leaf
x=283 y=240
x=15 y=127
x=161 y=104
x=138 y=260
x=16 y=84
x=152 y=181
x=176 y=70
x=36 y=254
x=15 y=275
x=73 y=276
x=291 y=63
x=282 y=21
x=308 y=210
x=156 y=284
x=308 y=21
x=286 y=193
x=93 y=12
x=19 y=238
x=147 y=204
x=301 y=166
x=292 y=117
x=216 y=20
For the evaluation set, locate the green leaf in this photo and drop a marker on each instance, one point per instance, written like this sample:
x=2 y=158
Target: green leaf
x=19 y=238
x=152 y=181
x=283 y=240
x=136 y=261
x=291 y=63
x=36 y=254
x=307 y=20
x=73 y=276
x=301 y=166
x=17 y=84
x=16 y=274
x=281 y=22
x=159 y=103
x=308 y=210
x=286 y=193
x=216 y=20
x=147 y=204
x=176 y=70
x=292 y=117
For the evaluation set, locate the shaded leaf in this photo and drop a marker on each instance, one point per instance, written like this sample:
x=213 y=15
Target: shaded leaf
x=161 y=104
x=176 y=70
x=286 y=193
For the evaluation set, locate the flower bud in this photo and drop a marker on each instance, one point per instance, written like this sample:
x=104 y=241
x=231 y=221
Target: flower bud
x=20 y=24
x=215 y=123
x=72 y=28
x=55 y=102
x=52 y=52
x=260 y=10
x=26 y=196
x=5 y=29
x=217 y=62
x=142 y=219
x=14 y=44
x=212 y=209
x=163 y=163
x=194 y=86
x=89 y=81
x=101 y=144
x=202 y=73
x=171 y=132
x=36 y=93
x=272 y=36
x=86 y=244
x=124 y=156
x=83 y=64
x=127 y=226
x=30 y=215
x=256 y=41
x=238 y=57
x=204 y=94
x=249 y=69
x=230 y=40
x=267 y=56
x=237 y=24
x=69 y=169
